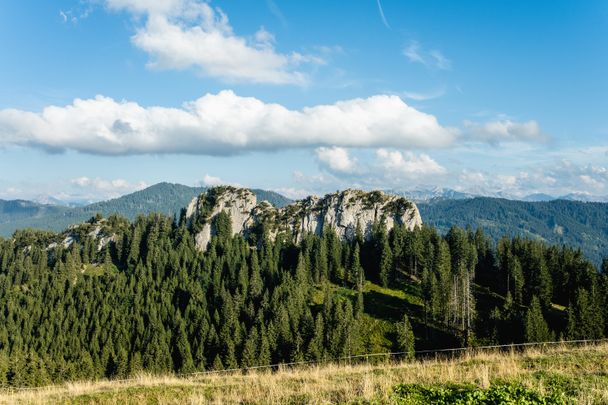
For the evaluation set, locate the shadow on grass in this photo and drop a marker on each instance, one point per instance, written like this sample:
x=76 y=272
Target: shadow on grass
x=388 y=307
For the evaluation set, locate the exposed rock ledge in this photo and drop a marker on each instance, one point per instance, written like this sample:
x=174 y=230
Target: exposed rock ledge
x=342 y=211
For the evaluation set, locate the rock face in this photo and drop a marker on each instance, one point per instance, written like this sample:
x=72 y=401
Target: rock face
x=343 y=211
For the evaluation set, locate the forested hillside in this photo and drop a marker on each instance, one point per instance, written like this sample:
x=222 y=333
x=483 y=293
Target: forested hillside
x=91 y=306
x=162 y=198
x=576 y=224
x=582 y=225
x=16 y=211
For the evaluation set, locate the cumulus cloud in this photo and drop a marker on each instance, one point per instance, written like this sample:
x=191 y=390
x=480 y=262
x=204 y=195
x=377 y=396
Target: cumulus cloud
x=221 y=124
x=495 y=132
x=211 y=181
x=561 y=178
x=86 y=189
x=431 y=59
x=385 y=168
x=294 y=193
x=407 y=164
x=336 y=159
x=181 y=34
x=115 y=185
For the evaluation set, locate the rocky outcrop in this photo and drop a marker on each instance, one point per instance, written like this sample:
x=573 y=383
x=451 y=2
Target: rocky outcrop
x=343 y=211
x=237 y=203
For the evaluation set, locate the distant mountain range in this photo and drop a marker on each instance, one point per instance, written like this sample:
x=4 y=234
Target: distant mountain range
x=163 y=198
x=425 y=194
x=578 y=224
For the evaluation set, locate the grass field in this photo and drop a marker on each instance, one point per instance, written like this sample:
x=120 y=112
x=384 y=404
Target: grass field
x=552 y=375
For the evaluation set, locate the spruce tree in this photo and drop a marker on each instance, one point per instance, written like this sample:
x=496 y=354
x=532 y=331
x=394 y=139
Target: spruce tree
x=386 y=262
x=536 y=328
x=405 y=337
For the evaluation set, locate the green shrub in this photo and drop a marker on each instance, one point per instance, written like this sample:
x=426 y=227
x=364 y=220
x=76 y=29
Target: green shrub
x=469 y=394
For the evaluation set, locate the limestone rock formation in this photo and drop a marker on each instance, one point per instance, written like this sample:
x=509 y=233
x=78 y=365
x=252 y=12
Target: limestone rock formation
x=342 y=211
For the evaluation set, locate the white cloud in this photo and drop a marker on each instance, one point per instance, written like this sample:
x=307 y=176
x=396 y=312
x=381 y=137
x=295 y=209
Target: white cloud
x=495 y=132
x=115 y=185
x=74 y=15
x=276 y=11
x=181 y=34
x=423 y=96
x=221 y=124
x=472 y=178
x=294 y=193
x=556 y=179
x=407 y=164
x=440 y=61
x=211 y=181
x=431 y=59
x=412 y=52
x=385 y=168
x=382 y=16
x=336 y=159
x=508 y=181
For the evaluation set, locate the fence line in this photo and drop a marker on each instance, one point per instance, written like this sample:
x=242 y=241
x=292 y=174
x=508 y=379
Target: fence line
x=278 y=366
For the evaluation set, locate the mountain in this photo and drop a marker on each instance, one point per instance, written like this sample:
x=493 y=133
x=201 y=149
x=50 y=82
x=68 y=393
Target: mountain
x=577 y=224
x=427 y=194
x=14 y=211
x=422 y=194
x=112 y=298
x=539 y=197
x=345 y=212
x=584 y=197
x=164 y=198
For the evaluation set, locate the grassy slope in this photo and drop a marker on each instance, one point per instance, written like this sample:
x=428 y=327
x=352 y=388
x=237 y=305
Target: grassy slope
x=555 y=375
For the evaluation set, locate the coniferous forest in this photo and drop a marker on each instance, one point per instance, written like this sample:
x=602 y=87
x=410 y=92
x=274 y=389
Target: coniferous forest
x=148 y=300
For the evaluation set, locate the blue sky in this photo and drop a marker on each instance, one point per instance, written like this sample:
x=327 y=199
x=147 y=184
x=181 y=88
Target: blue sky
x=99 y=98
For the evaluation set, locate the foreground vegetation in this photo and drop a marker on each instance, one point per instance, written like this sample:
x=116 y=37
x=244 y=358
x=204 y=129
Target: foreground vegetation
x=553 y=375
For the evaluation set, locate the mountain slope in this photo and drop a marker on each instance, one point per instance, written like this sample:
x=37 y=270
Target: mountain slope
x=15 y=210
x=164 y=198
x=577 y=224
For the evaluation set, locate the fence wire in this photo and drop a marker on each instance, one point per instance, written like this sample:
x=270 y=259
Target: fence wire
x=420 y=354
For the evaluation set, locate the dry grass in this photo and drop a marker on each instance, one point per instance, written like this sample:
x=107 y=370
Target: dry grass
x=582 y=370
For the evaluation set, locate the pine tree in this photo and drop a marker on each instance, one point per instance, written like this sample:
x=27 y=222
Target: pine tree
x=316 y=344
x=249 y=355
x=536 y=328
x=405 y=337
x=386 y=262
x=356 y=270
x=182 y=354
x=583 y=318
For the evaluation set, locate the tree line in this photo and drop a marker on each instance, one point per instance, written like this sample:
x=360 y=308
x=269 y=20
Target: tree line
x=148 y=300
